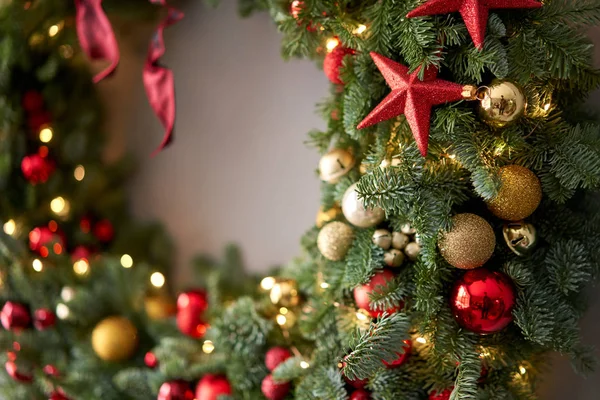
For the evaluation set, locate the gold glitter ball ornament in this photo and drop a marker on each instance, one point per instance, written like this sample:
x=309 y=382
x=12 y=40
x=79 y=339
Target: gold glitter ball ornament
x=114 y=339
x=382 y=238
x=335 y=164
x=502 y=103
x=284 y=293
x=325 y=216
x=519 y=195
x=469 y=244
x=520 y=237
x=356 y=213
x=334 y=240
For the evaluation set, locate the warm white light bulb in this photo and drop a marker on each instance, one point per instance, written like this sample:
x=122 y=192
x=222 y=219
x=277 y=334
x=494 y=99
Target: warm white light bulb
x=208 y=347
x=46 y=135
x=10 y=227
x=126 y=261
x=331 y=44
x=37 y=265
x=157 y=279
x=79 y=173
x=267 y=283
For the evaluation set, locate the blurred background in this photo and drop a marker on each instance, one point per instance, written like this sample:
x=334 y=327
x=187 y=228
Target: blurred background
x=238 y=170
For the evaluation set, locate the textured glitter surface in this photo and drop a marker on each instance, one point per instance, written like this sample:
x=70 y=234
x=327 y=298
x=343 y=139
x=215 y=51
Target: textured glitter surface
x=334 y=240
x=412 y=97
x=474 y=12
x=470 y=242
x=519 y=195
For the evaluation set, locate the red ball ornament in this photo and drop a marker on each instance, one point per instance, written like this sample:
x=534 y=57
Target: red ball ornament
x=445 y=395
x=12 y=371
x=104 y=231
x=360 y=394
x=14 y=316
x=43 y=318
x=196 y=300
x=150 y=360
x=36 y=169
x=273 y=390
x=39 y=119
x=58 y=395
x=51 y=370
x=42 y=240
x=402 y=357
x=275 y=356
x=333 y=63
x=357 y=383
x=175 y=390
x=191 y=323
x=210 y=387
x=482 y=301
x=32 y=101
x=361 y=293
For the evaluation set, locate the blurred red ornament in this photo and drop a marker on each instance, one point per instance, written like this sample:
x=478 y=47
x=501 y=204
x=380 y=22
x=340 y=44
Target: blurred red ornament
x=15 y=316
x=445 y=395
x=361 y=293
x=402 y=357
x=51 y=370
x=275 y=356
x=36 y=169
x=58 y=395
x=295 y=8
x=85 y=224
x=482 y=301
x=12 y=371
x=43 y=318
x=360 y=394
x=81 y=253
x=357 y=383
x=273 y=390
x=333 y=63
x=38 y=120
x=175 y=390
x=104 y=231
x=32 y=101
x=150 y=360
x=196 y=300
x=42 y=239
x=210 y=387
x=191 y=323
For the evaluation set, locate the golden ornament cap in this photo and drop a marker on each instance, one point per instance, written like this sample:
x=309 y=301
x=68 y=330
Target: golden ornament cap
x=335 y=164
x=334 y=240
x=114 y=339
x=521 y=237
x=519 y=196
x=356 y=213
x=469 y=243
x=502 y=103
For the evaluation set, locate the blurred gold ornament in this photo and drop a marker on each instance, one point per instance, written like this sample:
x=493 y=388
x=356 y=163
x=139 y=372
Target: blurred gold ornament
x=159 y=306
x=335 y=164
x=521 y=237
x=399 y=240
x=407 y=229
x=284 y=293
x=325 y=216
x=393 y=258
x=114 y=339
x=334 y=240
x=382 y=238
x=286 y=319
x=469 y=244
x=356 y=213
x=519 y=195
x=502 y=103
x=412 y=251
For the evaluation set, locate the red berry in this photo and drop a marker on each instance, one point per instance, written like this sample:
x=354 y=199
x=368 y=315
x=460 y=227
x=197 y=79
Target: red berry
x=210 y=387
x=32 y=101
x=402 y=357
x=274 y=391
x=445 y=395
x=43 y=318
x=360 y=394
x=361 y=293
x=51 y=370
x=150 y=360
x=333 y=63
x=275 y=356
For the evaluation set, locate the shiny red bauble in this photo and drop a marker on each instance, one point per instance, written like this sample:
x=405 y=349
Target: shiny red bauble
x=272 y=390
x=275 y=356
x=196 y=300
x=360 y=394
x=482 y=301
x=32 y=101
x=37 y=169
x=401 y=357
x=104 y=231
x=13 y=372
x=150 y=360
x=15 y=316
x=210 y=387
x=445 y=395
x=333 y=63
x=361 y=293
x=43 y=318
x=175 y=390
x=357 y=383
x=43 y=240
x=191 y=323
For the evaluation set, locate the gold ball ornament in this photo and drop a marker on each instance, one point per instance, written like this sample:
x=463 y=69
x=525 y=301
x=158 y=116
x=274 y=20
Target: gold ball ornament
x=519 y=195
x=400 y=240
x=325 y=216
x=393 y=258
x=160 y=306
x=407 y=229
x=502 y=103
x=286 y=319
x=335 y=164
x=469 y=244
x=356 y=213
x=412 y=251
x=114 y=339
x=334 y=240
x=382 y=238
x=520 y=237
x=284 y=293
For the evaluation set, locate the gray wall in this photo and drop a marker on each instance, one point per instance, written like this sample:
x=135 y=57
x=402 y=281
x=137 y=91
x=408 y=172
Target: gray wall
x=238 y=170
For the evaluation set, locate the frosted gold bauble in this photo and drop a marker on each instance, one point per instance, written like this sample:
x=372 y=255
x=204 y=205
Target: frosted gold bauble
x=334 y=240
x=114 y=339
x=520 y=237
x=519 y=195
x=502 y=103
x=399 y=240
x=335 y=164
x=469 y=244
x=355 y=212
x=325 y=216
x=160 y=306
x=382 y=238
x=393 y=258
x=412 y=251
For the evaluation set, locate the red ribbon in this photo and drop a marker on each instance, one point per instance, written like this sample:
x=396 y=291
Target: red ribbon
x=96 y=35
x=158 y=80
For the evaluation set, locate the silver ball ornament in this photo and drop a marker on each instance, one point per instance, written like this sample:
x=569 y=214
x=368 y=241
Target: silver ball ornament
x=356 y=213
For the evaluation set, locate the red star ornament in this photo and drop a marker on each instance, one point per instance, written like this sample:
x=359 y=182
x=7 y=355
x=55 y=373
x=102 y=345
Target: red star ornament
x=474 y=12
x=412 y=97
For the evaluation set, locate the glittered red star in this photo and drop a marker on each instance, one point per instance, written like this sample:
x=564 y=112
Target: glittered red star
x=412 y=97
x=474 y=12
